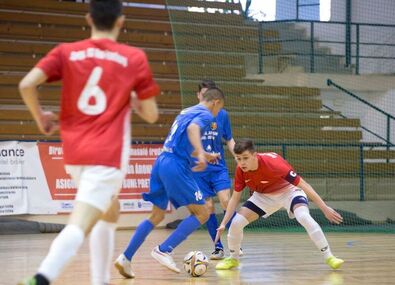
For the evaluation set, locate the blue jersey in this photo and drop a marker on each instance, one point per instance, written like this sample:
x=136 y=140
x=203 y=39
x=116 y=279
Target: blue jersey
x=213 y=136
x=177 y=141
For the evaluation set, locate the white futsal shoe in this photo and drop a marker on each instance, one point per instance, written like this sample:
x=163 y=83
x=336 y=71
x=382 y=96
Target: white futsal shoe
x=165 y=259
x=123 y=265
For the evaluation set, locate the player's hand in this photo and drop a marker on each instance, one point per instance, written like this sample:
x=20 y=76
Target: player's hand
x=201 y=163
x=220 y=230
x=332 y=215
x=48 y=123
x=212 y=157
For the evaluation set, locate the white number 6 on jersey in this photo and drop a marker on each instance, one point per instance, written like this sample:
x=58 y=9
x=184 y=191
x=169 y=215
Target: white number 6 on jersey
x=92 y=90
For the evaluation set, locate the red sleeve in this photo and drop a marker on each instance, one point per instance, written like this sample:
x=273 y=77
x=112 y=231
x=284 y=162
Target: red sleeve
x=145 y=87
x=239 y=180
x=51 y=64
x=281 y=168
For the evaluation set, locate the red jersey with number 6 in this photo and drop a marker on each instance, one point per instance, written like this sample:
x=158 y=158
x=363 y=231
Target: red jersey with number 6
x=274 y=174
x=98 y=76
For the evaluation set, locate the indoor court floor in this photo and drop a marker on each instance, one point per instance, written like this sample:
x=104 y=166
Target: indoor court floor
x=269 y=258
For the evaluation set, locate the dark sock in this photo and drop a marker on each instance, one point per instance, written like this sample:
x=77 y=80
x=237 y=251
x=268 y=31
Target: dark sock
x=41 y=280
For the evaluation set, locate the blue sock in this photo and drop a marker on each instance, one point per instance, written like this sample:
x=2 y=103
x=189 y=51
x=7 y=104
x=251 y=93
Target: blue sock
x=212 y=225
x=142 y=231
x=184 y=229
x=230 y=221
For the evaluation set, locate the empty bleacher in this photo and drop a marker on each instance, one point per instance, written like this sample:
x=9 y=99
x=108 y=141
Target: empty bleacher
x=183 y=49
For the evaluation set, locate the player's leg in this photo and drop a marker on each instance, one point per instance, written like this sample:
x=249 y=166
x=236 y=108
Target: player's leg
x=158 y=197
x=256 y=206
x=302 y=214
x=182 y=190
x=235 y=236
x=203 y=180
x=96 y=185
x=162 y=253
x=101 y=244
x=212 y=225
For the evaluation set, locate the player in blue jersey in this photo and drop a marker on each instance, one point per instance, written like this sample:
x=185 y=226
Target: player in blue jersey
x=172 y=180
x=215 y=180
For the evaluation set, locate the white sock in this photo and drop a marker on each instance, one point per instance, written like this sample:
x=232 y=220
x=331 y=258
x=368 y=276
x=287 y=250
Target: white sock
x=235 y=234
x=101 y=245
x=314 y=230
x=62 y=249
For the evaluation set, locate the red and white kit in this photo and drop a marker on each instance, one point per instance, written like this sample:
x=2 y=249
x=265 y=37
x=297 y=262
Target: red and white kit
x=273 y=183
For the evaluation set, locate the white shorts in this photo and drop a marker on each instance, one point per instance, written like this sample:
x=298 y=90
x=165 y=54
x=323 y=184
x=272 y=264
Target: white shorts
x=271 y=203
x=96 y=184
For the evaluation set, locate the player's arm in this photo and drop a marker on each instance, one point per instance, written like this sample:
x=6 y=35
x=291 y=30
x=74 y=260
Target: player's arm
x=146 y=109
x=46 y=121
x=231 y=145
x=329 y=213
x=194 y=138
x=230 y=209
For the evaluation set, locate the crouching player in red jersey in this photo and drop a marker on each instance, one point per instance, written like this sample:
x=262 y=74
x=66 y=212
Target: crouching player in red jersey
x=275 y=185
x=98 y=76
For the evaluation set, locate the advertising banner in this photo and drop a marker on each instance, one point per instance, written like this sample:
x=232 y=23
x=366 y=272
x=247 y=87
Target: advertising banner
x=33 y=179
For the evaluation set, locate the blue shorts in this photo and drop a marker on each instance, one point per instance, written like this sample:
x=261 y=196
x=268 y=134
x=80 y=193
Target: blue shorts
x=172 y=180
x=211 y=182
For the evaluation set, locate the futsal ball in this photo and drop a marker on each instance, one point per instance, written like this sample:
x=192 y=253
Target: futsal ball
x=195 y=263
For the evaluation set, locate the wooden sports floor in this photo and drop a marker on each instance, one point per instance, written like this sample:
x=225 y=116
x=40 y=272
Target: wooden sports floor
x=269 y=258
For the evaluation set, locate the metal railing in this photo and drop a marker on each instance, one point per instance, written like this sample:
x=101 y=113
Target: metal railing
x=361 y=173
x=389 y=117
x=351 y=30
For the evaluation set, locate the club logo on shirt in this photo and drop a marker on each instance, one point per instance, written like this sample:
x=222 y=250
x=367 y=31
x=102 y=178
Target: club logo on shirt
x=213 y=126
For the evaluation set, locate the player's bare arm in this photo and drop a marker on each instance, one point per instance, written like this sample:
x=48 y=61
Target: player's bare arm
x=46 y=121
x=329 y=213
x=231 y=144
x=194 y=137
x=146 y=109
x=232 y=205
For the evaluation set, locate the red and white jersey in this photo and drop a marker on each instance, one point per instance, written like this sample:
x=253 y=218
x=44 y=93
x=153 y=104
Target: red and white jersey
x=274 y=174
x=98 y=76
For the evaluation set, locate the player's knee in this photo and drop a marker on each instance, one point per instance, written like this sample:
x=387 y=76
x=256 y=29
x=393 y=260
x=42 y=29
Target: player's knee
x=202 y=216
x=157 y=216
x=210 y=205
x=112 y=214
x=238 y=224
x=224 y=202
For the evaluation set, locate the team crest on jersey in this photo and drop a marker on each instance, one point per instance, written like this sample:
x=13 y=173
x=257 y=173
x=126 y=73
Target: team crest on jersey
x=213 y=126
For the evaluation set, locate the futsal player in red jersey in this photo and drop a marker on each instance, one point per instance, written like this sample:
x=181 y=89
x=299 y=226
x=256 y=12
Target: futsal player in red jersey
x=98 y=78
x=274 y=185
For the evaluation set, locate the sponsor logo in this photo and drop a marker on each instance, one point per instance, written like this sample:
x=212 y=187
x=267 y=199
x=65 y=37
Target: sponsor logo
x=248 y=180
x=66 y=205
x=264 y=181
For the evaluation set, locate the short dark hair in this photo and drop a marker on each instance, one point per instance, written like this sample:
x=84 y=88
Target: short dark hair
x=104 y=13
x=243 y=145
x=206 y=83
x=213 y=93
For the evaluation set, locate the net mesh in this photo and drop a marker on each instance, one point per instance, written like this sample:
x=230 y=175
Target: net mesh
x=340 y=145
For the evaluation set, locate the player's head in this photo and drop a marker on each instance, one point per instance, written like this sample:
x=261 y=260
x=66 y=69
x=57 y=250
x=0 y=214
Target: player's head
x=245 y=154
x=214 y=100
x=105 y=15
x=203 y=86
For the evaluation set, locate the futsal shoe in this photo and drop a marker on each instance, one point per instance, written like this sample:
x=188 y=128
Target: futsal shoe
x=334 y=262
x=217 y=254
x=124 y=267
x=227 y=263
x=165 y=259
x=241 y=253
